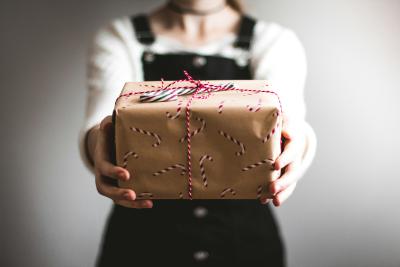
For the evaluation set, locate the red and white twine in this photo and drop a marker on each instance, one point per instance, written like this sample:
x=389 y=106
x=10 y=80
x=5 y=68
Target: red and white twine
x=203 y=88
x=197 y=131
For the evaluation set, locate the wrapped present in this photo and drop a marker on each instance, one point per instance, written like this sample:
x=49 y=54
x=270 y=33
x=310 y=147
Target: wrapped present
x=191 y=139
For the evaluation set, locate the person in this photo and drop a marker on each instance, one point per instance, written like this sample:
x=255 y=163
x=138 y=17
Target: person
x=211 y=39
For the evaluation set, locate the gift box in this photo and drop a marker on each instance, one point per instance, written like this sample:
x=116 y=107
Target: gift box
x=193 y=139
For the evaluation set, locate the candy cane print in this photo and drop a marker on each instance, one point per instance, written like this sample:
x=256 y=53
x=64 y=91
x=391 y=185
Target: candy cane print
x=198 y=130
x=126 y=156
x=228 y=190
x=142 y=131
x=145 y=194
x=256 y=108
x=259 y=191
x=272 y=132
x=178 y=111
x=220 y=106
x=237 y=142
x=170 y=168
x=202 y=170
x=254 y=165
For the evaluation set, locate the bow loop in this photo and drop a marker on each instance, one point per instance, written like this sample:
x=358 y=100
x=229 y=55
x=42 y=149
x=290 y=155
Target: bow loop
x=171 y=93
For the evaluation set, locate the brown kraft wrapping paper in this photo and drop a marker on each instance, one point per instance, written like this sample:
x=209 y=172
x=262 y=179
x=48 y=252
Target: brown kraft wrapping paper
x=235 y=138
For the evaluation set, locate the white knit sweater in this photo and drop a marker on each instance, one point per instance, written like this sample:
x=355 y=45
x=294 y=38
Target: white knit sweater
x=115 y=58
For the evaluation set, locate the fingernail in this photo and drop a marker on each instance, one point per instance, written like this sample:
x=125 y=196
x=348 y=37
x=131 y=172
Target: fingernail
x=122 y=175
x=127 y=196
x=274 y=188
x=276 y=166
x=275 y=202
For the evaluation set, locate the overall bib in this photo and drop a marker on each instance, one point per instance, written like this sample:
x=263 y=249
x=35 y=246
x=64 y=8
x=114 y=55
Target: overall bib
x=193 y=232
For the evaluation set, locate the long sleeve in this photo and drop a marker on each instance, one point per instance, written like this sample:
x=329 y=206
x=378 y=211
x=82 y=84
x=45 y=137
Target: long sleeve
x=114 y=58
x=110 y=64
x=279 y=57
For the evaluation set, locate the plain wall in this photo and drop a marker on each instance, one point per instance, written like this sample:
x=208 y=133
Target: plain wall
x=346 y=210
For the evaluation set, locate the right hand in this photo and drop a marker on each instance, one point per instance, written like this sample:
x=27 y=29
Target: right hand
x=107 y=174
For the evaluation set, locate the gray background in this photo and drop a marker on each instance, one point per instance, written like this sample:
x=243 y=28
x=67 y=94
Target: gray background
x=346 y=211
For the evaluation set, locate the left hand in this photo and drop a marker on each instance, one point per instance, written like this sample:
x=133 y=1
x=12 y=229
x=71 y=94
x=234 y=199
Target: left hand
x=289 y=162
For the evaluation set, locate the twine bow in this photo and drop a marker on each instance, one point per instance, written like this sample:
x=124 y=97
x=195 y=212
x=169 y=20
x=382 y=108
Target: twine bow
x=169 y=93
x=198 y=90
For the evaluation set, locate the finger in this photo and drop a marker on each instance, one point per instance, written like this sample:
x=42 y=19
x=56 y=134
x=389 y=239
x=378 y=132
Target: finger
x=294 y=139
x=110 y=170
x=264 y=200
x=104 y=150
x=289 y=153
x=138 y=204
x=106 y=121
x=104 y=137
x=283 y=195
x=106 y=188
x=290 y=176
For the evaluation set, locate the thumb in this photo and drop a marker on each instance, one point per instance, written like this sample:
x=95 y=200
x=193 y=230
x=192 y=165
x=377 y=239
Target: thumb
x=105 y=137
x=105 y=123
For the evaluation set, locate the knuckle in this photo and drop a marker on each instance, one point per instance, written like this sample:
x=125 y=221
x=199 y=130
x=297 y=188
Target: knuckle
x=104 y=122
x=105 y=169
x=99 y=166
x=111 y=194
x=281 y=160
x=100 y=189
x=122 y=195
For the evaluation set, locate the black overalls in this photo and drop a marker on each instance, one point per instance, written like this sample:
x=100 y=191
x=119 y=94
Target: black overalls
x=198 y=232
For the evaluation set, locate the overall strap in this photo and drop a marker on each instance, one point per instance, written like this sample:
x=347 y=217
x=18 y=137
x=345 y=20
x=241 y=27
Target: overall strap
x=142 y=29
x=246 y=32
